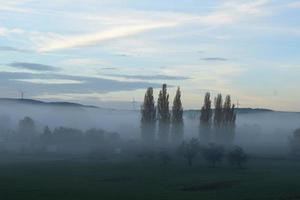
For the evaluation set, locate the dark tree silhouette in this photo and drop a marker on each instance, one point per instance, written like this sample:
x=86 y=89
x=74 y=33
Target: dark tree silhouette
x=205 y=119
x=47 y=132
x=148 y=117
x=189 y=150
x=177 y=118
x=46 y=136
x=229 y=118
x=218 y=116
x=213 y=154
x=27 y=126
x=218 y=119
x=237 y=156
x=163 y=114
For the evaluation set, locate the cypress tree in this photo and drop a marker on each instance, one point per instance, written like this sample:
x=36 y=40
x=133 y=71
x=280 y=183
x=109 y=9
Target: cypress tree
x=205 y=119
x=177 y=118
x=163 y=114
x=148 y=117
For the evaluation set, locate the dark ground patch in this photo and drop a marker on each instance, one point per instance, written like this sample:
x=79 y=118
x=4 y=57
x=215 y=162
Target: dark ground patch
x=210 y=186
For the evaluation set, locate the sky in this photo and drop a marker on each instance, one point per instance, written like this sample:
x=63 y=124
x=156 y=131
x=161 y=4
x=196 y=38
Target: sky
x=107 y=52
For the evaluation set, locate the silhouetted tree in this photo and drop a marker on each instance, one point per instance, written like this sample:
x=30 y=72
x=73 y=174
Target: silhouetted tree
x=218 y=116
x=47 y=135
x=163 y=114
x=177 y=118
x=27 y=126
x=148 y=117
x=205 y=119
x=47 y=131
x=237 y=156
x=189 y=150
x=218 y=119
x=229 y=118
x=213 y=154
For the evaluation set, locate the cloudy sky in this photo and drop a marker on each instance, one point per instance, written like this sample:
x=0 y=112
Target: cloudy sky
x=106 y=52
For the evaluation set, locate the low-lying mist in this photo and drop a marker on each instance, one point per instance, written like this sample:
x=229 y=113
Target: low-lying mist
x=256 y=131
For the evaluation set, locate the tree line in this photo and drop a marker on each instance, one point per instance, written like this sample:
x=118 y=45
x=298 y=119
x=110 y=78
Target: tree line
x=215 y=125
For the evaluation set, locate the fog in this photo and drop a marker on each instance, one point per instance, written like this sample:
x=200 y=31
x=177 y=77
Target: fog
x=257 y=131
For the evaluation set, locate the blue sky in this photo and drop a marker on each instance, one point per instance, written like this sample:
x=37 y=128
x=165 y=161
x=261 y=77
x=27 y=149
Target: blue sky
x=106 y=52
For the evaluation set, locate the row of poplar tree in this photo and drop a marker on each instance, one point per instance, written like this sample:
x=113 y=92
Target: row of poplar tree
x=215 y=125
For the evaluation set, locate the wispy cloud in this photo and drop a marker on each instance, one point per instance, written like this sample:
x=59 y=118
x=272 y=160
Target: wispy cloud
x=294 y=5
x=214 y=59
x=8 y=48
x=14 y=6
x=39 y=83
x=49 y=81
x=8 y=31
x=32 y=66
x=109 y=68
x=150 y=77
x=95 y=38
x=136 y=22
x=84 y=62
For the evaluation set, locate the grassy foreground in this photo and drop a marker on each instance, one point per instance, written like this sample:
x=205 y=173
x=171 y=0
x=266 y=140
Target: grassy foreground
x=144 y=180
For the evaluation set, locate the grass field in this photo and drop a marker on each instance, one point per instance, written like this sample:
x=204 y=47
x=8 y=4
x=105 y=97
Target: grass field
x=39 y=179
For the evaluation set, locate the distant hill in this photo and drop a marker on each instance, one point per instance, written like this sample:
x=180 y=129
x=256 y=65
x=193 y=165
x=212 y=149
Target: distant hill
x=190 y=112
x=239 y=110
x=43 y=103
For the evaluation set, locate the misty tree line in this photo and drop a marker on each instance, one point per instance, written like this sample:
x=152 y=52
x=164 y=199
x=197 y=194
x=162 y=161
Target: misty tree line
x=215 y=125
x=27 y=138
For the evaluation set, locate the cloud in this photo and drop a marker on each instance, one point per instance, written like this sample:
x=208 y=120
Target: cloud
x=13 y=6
x=84 y=62
x=49 y=81
x=106 y=27
x=109 y=68
x=8 y=31
x=36 y=84
x=93 y=39
x=32 y=66
x=214 y=59
x=294 y=5
x=150 y=77
x=8 y=48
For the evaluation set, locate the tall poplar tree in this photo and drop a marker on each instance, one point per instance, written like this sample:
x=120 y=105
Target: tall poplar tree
x=177 y=118
x=218 y=119
x=229 y=118
x=218 y=114
x=148 y=117
x=205 y=120
x=163 y=114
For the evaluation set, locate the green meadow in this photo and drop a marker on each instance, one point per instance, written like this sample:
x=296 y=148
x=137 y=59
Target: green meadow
x=35 y=177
